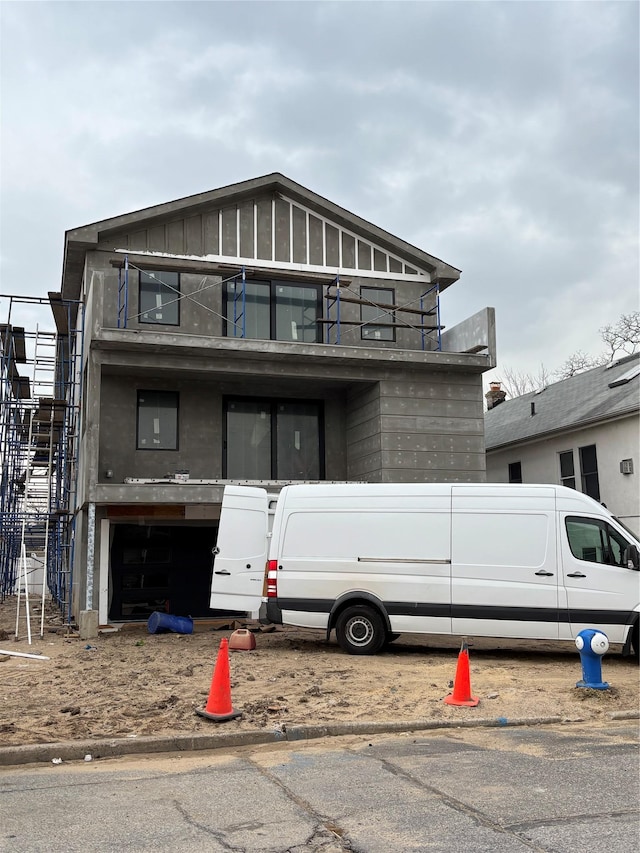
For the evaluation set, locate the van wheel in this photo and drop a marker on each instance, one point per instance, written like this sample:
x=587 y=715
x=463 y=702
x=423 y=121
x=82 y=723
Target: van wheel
x=635 y=641
x=360 y=630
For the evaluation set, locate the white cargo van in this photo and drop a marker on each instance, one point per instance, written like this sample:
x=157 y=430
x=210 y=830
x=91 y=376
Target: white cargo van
x=376 y=560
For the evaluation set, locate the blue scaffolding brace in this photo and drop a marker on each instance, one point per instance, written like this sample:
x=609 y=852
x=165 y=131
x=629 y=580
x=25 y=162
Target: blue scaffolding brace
x=429 y=307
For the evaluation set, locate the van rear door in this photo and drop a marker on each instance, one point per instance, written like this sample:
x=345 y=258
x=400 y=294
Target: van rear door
x=241 y=550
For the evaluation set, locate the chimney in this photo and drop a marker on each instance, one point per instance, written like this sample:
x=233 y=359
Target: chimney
x=495 y=395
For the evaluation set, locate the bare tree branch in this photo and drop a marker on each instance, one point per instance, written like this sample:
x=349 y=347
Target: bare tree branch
x=577 y=363
x=516 y=382
x=623 y=336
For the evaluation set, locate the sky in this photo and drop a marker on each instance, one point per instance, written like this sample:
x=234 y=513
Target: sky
x=501 y=137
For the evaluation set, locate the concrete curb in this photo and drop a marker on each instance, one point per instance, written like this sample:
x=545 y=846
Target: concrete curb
x=146 y=745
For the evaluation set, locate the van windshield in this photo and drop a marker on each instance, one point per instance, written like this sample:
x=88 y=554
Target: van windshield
x=627 y=529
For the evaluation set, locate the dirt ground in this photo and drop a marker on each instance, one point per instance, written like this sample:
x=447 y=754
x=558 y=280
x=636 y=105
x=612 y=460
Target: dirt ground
x=133 y=683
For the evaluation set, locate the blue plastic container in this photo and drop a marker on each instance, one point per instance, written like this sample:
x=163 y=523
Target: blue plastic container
x=161 y=623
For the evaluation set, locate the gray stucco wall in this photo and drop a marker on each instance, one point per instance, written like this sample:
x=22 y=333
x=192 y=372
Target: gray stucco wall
x=200 y=425
x=363 y=434
x=418 y=429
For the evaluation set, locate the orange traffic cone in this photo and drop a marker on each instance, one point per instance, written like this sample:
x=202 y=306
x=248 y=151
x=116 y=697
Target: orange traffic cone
x=462 y=685
x=219 y=707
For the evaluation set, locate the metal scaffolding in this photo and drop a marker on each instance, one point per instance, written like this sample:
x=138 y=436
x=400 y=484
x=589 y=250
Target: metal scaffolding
x=421 y=314
x=40 y=389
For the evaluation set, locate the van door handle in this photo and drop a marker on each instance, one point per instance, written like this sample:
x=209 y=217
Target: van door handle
x=222 y=572
x=576 y=575
x=543 y=574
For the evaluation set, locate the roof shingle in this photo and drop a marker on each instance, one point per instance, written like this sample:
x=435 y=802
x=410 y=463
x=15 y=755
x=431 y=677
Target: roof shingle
x=579 y=400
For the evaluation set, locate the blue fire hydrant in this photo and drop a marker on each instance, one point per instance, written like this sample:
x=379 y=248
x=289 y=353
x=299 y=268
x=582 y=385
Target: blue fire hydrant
x=592 y=645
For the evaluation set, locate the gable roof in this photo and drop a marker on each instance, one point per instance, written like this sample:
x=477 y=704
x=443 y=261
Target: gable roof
x=79 y=240
x=596 y=395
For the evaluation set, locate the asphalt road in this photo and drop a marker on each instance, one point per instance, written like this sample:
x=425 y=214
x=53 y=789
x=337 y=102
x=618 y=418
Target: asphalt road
x=566 y=789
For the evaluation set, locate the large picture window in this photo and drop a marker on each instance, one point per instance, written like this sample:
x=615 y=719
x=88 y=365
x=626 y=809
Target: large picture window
x=378 y=323
x=160 y=297
x=273 y=440
x=157 y=420
x=273 y=310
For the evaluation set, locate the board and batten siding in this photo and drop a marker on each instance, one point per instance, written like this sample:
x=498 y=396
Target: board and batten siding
x=268 y=229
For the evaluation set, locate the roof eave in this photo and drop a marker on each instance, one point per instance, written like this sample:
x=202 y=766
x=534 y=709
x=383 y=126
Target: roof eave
x=572 y=427
x=82 y=239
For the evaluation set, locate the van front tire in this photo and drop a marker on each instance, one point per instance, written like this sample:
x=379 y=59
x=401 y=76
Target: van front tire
x=360 y=630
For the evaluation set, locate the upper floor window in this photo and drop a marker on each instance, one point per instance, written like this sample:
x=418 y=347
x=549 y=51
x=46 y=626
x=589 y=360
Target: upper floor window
x=515 y=472
x=378 y=322
x=273 y=310
x=589 y=471
x=160 y=297
x=567 y=470
x=157 y=420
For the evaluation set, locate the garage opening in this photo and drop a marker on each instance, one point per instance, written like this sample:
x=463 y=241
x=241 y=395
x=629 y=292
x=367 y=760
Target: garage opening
x=161 y=567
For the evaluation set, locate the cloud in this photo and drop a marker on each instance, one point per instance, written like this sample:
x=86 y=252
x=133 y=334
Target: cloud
x=500 y=137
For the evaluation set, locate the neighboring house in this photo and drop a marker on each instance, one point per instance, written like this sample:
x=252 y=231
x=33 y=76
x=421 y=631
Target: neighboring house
x=259 y=334
x=582 y=432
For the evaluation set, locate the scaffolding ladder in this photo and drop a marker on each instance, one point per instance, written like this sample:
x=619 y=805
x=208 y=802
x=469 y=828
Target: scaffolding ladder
x=41 y=426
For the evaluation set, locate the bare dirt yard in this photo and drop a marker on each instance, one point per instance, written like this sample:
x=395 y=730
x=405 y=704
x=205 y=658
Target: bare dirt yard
x=133 y=683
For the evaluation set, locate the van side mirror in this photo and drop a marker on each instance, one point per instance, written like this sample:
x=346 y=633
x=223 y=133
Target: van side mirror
x=632 y=560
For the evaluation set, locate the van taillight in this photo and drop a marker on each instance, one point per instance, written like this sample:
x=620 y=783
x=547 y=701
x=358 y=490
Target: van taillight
x=272 y=579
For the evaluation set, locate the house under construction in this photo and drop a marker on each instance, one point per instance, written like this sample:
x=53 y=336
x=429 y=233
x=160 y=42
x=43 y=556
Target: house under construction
x=258 y=334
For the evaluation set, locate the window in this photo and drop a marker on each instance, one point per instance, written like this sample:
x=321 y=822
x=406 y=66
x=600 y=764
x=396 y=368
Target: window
x=567 y=471
x=273 y=440
x=596 y=542
x=273 y=310
x=378 y=322
x=589 y=472
x=157 y=420
x=515 y=472
x=160 y=297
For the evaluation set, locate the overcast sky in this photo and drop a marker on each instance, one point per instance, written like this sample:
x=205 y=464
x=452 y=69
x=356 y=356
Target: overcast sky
x=501 y=137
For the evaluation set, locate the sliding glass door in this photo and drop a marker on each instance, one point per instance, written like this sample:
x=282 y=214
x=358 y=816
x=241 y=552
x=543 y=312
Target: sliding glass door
x=273 y=440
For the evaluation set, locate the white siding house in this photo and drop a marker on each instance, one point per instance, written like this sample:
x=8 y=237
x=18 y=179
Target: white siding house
x=582 y=432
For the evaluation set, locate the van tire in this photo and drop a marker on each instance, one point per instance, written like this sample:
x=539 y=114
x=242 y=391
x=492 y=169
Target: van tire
x=635 y=641
x=360 y=630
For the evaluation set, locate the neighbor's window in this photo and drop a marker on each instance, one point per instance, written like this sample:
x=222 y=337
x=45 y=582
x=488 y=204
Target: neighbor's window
x=157 y=420
x=378 y=321
x=596 y=541
x=567 y=470
x=273 y=310
x=273 y=440
x=159 y=297
x=515 y=472
x=589 y=471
